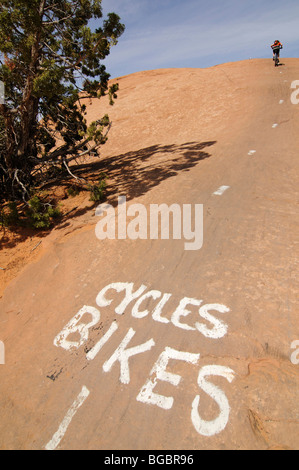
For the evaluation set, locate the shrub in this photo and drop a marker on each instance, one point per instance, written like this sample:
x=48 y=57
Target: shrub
x=97 y=191
x=73 y=191
x=9 y=216
x=40 y=215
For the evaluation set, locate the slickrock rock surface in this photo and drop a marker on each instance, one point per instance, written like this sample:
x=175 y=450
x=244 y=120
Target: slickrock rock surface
x=202 y=353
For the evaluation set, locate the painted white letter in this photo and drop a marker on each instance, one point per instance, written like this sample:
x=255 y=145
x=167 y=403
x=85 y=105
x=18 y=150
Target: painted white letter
x=158 y=309
x=74 y=326
x=210 y=428
x=119 y=287
x=122 y=355
x=147 y=394
x=155 y=294
x=220 y=328
x=97 y=348
x=182 y=312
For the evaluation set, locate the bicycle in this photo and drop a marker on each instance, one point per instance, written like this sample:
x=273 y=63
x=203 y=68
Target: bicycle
x=276 y=55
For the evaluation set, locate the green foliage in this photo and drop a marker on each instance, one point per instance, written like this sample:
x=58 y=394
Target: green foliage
x=97 y=191
x=73 y=191
x=41 y=215
x=9 y=216
x=38 y=214
x=46 y=50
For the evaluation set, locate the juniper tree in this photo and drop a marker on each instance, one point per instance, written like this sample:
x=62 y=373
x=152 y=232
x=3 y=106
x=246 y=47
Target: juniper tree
x=50 y=61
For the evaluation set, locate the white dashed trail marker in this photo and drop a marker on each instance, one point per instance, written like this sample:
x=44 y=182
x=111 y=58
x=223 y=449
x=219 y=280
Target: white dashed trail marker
x=221 y=190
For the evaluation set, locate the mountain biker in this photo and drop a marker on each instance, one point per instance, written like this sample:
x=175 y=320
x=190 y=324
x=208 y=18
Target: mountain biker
x=276 y=46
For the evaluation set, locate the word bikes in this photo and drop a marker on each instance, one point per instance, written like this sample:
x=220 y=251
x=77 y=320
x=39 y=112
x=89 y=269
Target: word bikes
x=213 y=328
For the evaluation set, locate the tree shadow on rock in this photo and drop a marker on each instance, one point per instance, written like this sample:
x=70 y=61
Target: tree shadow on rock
x=134 y=173
x=131 y=174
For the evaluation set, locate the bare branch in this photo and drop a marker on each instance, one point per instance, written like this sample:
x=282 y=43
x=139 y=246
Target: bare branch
x=81 y=180
x=25 y=192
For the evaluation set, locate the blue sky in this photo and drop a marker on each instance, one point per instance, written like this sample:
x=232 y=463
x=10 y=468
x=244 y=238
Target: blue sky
x=198 y=33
